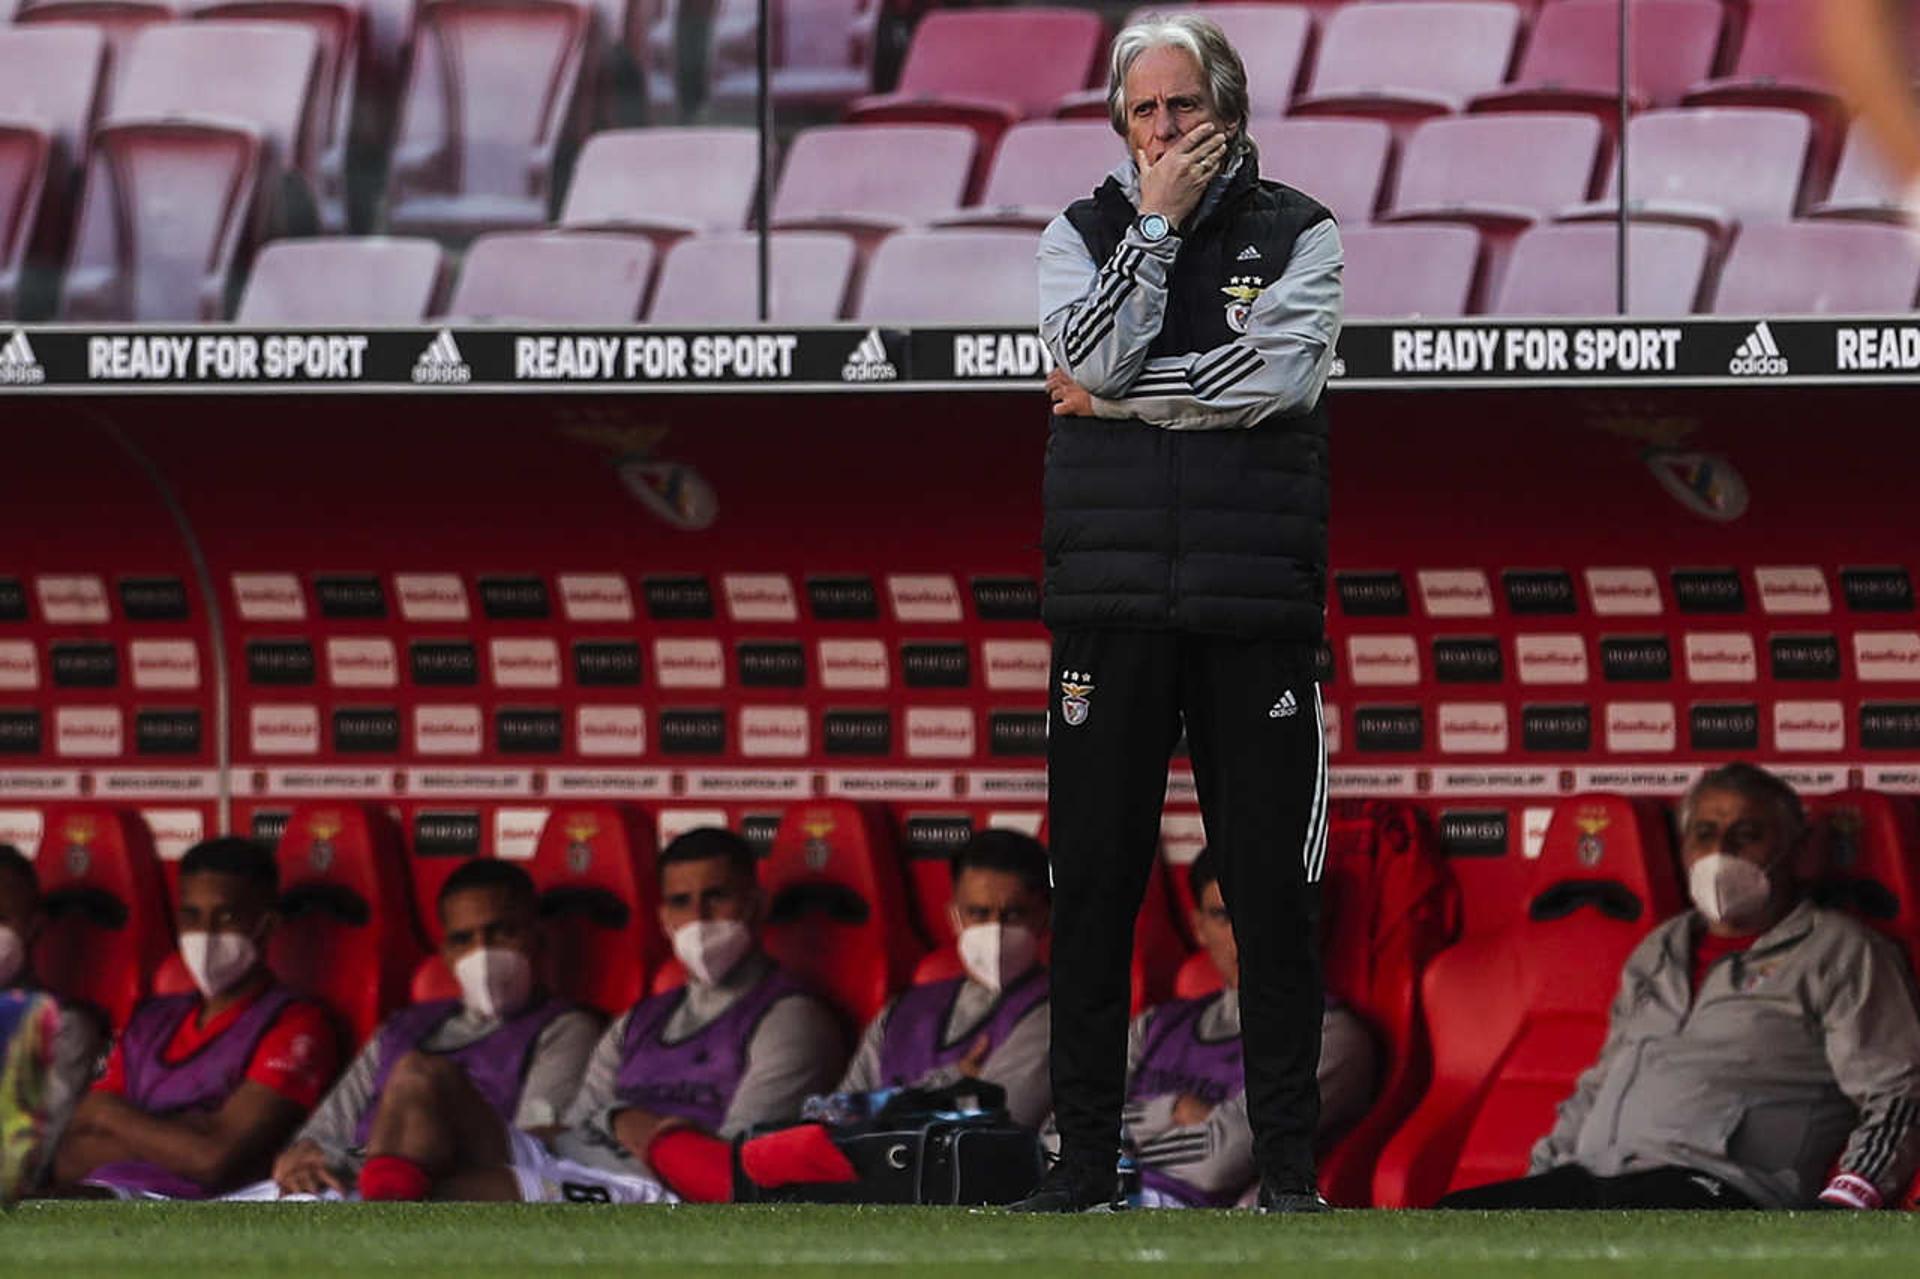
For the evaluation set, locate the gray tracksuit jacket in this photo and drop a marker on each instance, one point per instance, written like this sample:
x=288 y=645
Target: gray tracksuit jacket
x=1803 y=1048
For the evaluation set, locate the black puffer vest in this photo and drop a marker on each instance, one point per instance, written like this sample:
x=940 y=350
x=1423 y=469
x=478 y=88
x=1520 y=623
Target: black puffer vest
x=1223 y=532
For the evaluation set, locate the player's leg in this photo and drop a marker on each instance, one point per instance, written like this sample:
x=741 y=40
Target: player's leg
x=1568 y=1186
x=28 y=1023
x=1113 y=726
x=431 y=1118
x=1259 y=762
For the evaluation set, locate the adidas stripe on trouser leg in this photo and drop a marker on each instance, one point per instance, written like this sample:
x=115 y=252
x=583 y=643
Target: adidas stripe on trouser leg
x=1262 y=782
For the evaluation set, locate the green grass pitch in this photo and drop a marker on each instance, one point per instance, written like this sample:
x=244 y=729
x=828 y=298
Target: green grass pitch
x=294 y=1241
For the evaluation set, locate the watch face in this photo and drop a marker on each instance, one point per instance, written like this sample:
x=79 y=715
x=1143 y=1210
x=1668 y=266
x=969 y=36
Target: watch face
x=1153 y=226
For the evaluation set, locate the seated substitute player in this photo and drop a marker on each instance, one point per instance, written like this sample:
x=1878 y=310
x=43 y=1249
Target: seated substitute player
x=674 y=1079
x=1186 y=1111
x=201 y=1089
x=76 y=1035
x=1757 y=1042
x=992 y=1022
x=520 y=1048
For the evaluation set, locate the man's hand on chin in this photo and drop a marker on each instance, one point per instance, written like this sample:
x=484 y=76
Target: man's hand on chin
x=1070 y=399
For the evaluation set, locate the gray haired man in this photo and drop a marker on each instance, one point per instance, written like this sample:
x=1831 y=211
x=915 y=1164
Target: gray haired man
x=1192 y=308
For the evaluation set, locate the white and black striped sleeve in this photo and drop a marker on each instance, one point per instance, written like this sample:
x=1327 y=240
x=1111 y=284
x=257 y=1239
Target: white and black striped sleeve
x=1280 y=365
x=1873 y=1047
x=1098 y=321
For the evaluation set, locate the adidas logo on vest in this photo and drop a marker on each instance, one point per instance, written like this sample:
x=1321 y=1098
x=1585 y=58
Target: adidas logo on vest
x=441 y=364
x=1759 y=355
x=1285 y=708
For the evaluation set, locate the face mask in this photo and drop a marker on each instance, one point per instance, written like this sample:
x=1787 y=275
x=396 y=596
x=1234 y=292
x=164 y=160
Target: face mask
x=13 y=955
x=218 y=960
x=494 y=981
x=1729 y=890
x=711 y=947
x=998 y=955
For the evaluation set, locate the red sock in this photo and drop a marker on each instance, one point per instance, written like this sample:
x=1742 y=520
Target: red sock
x=695 y=1166
x=393 y=1177
x=794 y=1156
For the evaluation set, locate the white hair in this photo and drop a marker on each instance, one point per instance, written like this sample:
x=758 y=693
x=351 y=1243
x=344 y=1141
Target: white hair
x=1220 y=66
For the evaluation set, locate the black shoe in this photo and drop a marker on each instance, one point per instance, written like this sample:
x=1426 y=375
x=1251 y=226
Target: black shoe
x=1287 y=1196
x=1074 y=1186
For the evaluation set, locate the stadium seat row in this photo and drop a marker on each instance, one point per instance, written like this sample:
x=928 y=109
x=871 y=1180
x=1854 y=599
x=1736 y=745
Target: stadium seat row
x=1483 y=1036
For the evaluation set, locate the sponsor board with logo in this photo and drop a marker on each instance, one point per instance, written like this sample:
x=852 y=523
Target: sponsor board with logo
x=23 y=828
x=896 y=783
x=689 y=663
x=1880 y=656
x=157 y=663
x=924 y=597
x=88 y=732
x=1389 y=729
x=22 y=732
x=852 y=663
x=775 y=731
x=686 y=730
x=1810 y=779
x=1878 y=589
x=610 y=730
x=154 y=599
x=1708 y=590
x=362 y=663
x=83 y=664
x=939 y=732
x=1890 y=725
x=1809 y=726
x=1371 y=594
x=1641 y=726
x=366 y=730
x=609 y=783
x=1723 y=726
x=1467 y=660
x=480 y=783
x=857 y=732
x=446 y=833
x=432 y=597
x=1006 y=599
x=771 y=665
x=1473 y=832
x=1393 y=782
x=514 y=598
x=936 y=837
x=850 y=598
x=156 y=783
x=1473 y=728
x=595 y=597
x=174 y=732
x=13 y=600
x=444 y=663
x=524 y=663
x=1804 y=657
x=1623 y=592
x=19 y=665
x=1455 y=593
x=1637 y=779
x=447 y=730
x=1386 y=355
x=1495 y=780
x=747 y=783
x=318 y=781
x=606 y=663
x=350 y=597
x=1896 y=779
x=528 y=731
x=1537 y=591
x=1550 y=727
x=516 y=832
x=759 y=597
x=1009 y=783
x=1720 y=658
x=1792 y=589
x=79 y=599
x=1383 y=659
x=41 y=783
x=175 y=830
x=932 y=665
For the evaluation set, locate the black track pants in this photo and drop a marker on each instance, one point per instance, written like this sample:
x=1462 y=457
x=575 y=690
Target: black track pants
x=1253 y=721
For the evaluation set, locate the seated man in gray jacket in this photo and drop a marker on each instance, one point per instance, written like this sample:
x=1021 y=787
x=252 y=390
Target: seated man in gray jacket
x=1762 y=1052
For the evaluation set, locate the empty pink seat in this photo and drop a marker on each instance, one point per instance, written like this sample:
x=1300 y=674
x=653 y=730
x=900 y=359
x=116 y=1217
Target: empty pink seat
x=1862 y=187
x=1341 y=163
x=118 y=20
x=1041 y=167
x=1711 y=167
x=664 y=182
x=1404 y=60
x=493 y=98
x=555 y=277
x=24 y=153
x=987 y=68
x=337 y=30
x=1397 y=271
x=952 y=277
x=870 y=179
x=1272 y=39
x=168 y=206
x=339 y=280
x=1449 y=173
x=714 y=279
x=1779 y=64
x=1820 y=268
x=1570 y=269
x=49 y=84
x=1572 y=59
x=822 y=55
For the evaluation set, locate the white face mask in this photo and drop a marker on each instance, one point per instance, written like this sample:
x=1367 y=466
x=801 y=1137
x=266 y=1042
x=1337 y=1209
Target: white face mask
x=711 y=947
x=13 y=955
x=998 y=955
x=494 y=981
x=218 y=960
x=1730 y=890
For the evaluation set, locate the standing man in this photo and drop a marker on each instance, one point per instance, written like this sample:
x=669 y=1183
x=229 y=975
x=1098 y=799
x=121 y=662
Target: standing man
x=1192 y=308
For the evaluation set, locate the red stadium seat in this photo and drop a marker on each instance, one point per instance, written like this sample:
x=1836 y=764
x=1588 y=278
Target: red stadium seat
x=987 y=69
x=1570 y=270
x=109 y=926
x=1862 y=188
x=1405 y=60
x=491 y=105
x=343 y=281
x=1710 y=167
x=837 y=914
x=822 y=56
x=346 y=936
x=1779 y=65
x=952 y=277
x=50 y=81
x=1341 y=163
x=25 y=156
x=1820 y=268
x=1547 y=162
x=337 y=29
x=665 y=183
x=871 y=181
x=1517 y=1015
x=1394 y=271
x=116 y=20
x=1272 y=40
x=1040 y=168
x=714 y=279
x=595 y=871
x=1866 y=859
x=167 y=208
x=555 y=277
x=1572 y=59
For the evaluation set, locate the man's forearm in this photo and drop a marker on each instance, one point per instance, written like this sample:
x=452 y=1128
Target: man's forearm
x=118 y=1130
x=1099 y=322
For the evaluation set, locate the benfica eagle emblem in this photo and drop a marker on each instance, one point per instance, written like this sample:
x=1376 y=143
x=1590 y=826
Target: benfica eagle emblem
x=1076 y=690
